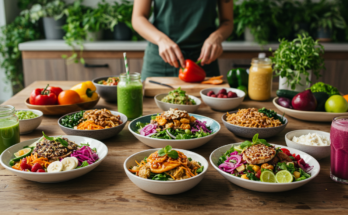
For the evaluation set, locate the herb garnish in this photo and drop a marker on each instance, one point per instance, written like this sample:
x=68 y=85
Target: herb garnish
x=255 y=141
x=169 y=152
x=58 y=139
x=272 y=114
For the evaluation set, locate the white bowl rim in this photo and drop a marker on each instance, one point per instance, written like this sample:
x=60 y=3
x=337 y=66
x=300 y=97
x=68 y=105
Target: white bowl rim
x=94 y=81
x=260 y=182
x=226 y=99
x=40 y=112
x=311 y=131
x=91 y=130
x=200 y=102
x=303 y=111
x=134 y=133
x=205 y=169
x=53 y=173
x=222 y=118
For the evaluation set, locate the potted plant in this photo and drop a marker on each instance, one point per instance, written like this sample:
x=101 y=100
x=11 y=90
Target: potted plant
x=255 y=20
x=327 y=19
x=296 y=61
x=94 y=23
x=51 y=14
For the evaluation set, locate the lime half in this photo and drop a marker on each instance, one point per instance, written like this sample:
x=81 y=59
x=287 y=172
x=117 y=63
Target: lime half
x=268 y=176
x=284 y=176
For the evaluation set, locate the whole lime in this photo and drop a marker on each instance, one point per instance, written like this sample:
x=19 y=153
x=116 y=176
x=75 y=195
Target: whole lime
x=336 y=104
x=243 y=88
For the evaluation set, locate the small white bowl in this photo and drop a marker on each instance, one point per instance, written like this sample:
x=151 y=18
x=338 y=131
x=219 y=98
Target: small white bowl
x=222 y=104
x=166 y=106
x=263 y=186
x=318 y=152
x=27 y=126
x=164 y=187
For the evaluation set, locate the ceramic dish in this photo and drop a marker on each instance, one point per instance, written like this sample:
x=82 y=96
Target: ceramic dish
x=316 y=116
x=54 y=177
x=109 y=93
x=96 y=134
x=166 y=106
x=250 y=132
x=318 y=152
x=62 y=109
x=262 y=186
x=222 y=104
x=27 y=126
x=164 y=187
x=179 y=144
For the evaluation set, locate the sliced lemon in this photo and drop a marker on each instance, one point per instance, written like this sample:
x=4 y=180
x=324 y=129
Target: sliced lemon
x=284 y=176
x=268 y=176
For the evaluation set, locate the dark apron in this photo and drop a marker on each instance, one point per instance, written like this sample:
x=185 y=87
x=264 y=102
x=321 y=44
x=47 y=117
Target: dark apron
x=188 y=23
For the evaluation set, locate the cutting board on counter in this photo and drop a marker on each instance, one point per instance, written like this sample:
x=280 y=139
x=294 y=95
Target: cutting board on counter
x=191 y=88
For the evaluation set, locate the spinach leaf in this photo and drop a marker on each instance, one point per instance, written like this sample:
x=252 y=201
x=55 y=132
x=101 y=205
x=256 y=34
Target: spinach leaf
x=84 y=163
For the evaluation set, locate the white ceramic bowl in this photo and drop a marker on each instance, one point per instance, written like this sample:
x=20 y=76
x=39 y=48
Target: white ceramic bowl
x=179 y=144
x=164 y=187
x=54 y=177
x=315 y=116
x=262 y=186
x=27 y=126
x=220 y=104
x=318 y=152
x=166 y=106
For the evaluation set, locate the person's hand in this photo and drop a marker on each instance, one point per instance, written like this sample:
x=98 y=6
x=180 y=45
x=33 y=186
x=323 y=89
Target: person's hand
x=211 y=49
x=171 y=53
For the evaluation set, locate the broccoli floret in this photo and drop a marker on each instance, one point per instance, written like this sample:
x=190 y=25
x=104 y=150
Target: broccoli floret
x=326 y=88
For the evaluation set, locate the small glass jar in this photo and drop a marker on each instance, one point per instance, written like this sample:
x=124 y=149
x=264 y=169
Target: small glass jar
x=130 y=95
x=9 y=127
x=260 y=78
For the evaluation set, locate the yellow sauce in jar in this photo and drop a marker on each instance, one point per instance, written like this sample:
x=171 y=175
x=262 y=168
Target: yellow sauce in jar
x=260 y=79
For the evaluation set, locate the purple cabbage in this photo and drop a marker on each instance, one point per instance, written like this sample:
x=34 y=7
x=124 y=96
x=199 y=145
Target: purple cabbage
x=200 y=125
x=85 y=154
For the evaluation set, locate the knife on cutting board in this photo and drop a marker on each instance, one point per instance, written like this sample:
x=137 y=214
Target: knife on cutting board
x=166 y=85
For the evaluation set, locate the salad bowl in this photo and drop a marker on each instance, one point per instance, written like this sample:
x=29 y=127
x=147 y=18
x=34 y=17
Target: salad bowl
x=166 y=106
x=27 y=126
x=164 y=187
x=108 y=93
x=54 y=177
x=263 y=186
x=175 y=143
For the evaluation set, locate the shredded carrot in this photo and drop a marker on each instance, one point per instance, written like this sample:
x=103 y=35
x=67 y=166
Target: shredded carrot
x=31 y=160
x=216 y=77
x=214 y=81
x=89 y=125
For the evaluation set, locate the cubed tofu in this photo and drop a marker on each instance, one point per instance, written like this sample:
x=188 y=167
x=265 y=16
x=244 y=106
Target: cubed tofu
x=185 y=126
x=176 y=123
x=185 y=121
x=162 y=121
x=241 y=168
x=170 y=125
x=192 y=119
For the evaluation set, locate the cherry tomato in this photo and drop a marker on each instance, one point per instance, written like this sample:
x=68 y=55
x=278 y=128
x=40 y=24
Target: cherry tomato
x=55 y=90
x=24 y=165
x=286 y=151
x=68 y=97
x=258 y=174
x=36 y=167
x=40 y=170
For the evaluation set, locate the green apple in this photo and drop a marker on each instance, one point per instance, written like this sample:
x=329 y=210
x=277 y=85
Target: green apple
x=336 y=104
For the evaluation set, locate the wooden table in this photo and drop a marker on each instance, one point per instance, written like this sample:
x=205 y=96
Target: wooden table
x=107 y=189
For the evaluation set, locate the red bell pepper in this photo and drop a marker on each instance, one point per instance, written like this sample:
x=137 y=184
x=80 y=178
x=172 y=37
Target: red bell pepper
x=55 y=90
x=41 y=96
x=192 y=72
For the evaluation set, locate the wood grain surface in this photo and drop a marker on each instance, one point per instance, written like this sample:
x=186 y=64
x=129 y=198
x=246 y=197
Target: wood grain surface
x=107 y=190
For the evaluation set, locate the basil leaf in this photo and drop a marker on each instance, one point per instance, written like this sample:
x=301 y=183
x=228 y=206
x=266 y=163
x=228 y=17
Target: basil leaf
x=255 y=138
x=161 y=152
x=167 y=148
x=62 y=141
x=264 y=142
x=173 y=154
x=245 y=144
x=47 y=137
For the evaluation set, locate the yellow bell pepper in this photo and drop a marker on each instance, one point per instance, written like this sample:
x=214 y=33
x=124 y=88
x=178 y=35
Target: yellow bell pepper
x=86 y=90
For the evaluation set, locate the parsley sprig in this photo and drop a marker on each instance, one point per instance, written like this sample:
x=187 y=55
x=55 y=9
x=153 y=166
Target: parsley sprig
x=255 y=141
x=169 y=152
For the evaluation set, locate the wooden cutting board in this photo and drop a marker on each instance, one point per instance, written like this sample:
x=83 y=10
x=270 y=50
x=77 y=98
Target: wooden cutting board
x=191 y=88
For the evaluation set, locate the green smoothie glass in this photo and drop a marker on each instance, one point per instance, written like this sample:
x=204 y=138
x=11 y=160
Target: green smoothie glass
x=130 y=95
x=9 y=127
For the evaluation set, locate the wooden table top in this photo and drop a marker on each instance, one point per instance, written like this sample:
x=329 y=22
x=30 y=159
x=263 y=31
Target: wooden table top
x=107 y=189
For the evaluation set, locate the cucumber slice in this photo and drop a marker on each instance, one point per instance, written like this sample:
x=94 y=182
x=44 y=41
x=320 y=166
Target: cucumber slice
x=23 y=152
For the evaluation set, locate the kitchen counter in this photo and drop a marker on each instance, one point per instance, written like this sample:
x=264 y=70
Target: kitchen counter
x=60 y=45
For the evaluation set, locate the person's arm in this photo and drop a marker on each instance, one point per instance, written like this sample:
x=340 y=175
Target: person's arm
x=212 y=47
x=168 y=49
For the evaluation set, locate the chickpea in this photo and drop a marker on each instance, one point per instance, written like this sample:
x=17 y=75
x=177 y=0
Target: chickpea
x=297 y=174
x=256 y=168
x=267 y=166
x=244 y=176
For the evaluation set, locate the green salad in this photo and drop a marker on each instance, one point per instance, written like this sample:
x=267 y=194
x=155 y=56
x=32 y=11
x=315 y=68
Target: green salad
x=25 y=114
x=179 y=97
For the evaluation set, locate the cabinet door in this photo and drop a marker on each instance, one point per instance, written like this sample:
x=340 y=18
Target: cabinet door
x=44 y=69
x=79 y=72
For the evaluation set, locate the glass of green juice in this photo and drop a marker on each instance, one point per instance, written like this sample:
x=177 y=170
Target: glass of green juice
x=130 y=95
x=9 y=127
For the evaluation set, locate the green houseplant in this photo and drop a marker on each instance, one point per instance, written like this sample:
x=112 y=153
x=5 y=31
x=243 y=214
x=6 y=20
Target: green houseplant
x=294 y=61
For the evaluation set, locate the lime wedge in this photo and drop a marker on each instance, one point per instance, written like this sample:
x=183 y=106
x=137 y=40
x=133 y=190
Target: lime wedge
x=284 y=176
x=22 y=152
x=268 y=176
x=238 y=149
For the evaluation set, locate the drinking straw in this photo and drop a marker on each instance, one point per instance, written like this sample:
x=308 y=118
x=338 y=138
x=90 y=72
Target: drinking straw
x=125 y=63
